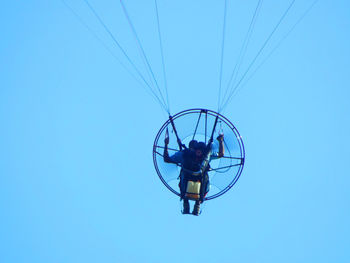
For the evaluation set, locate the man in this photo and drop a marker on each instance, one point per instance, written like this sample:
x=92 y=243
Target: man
x=194 y=161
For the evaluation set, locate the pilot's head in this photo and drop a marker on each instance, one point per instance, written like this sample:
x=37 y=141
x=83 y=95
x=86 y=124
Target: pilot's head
x=200 y=149
x=192 y=145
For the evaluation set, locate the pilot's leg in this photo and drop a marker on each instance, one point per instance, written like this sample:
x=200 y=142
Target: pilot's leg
x=196 y=208
x=186 y=208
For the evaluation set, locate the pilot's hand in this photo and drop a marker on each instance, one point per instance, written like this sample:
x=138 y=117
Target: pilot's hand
x=220 y=138
x=166 y=140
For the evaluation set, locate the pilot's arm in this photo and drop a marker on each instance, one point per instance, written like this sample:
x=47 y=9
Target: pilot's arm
x=220 y=138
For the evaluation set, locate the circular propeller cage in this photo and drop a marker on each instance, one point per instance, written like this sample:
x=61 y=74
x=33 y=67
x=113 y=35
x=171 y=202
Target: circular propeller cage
x=199 y=124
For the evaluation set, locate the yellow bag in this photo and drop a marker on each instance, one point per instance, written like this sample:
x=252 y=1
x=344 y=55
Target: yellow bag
x=193 y=190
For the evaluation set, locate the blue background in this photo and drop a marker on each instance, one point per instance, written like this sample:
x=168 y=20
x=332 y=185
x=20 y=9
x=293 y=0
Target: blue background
x=77 y=182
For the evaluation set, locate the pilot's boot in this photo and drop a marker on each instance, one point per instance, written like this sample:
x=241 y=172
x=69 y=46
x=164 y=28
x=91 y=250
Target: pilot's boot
x=186 y=209
x=196 y=208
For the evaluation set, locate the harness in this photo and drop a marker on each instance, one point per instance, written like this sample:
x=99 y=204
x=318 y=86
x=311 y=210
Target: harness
x=194 y=172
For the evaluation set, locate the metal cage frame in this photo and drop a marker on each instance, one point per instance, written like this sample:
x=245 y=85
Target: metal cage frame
x=211 y=113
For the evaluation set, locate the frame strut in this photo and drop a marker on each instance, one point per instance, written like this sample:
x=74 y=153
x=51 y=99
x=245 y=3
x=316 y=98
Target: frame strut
x=206 y=123
x=224 y=167
x=195 y=130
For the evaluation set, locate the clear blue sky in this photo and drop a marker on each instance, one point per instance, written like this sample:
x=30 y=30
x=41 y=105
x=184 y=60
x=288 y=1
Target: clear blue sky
x=77 y=182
